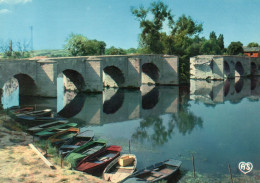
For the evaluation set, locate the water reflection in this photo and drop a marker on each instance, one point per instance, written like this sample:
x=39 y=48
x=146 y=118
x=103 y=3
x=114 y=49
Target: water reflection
x=153 y=130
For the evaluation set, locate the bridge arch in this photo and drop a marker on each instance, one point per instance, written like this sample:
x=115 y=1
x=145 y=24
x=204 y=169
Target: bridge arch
x=239 y=69
x=226 y=69
x=226 y=87
x=253 y=68
x=150 y=74
x=113 y=77
x=26 y=83
x=73 y=80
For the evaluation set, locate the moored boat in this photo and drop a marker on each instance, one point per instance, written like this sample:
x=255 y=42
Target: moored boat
x=120 y=168
x=39 y=113
x=97 y=162
x=63 y=136
x=32 y=120
x=55 y=129
x=46 y=126
x=84 y=136
x=158 y=172
x=85 y=150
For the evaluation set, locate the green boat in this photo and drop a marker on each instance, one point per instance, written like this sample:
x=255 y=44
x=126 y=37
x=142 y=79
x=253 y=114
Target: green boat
x=51 y=131
x=85 y=150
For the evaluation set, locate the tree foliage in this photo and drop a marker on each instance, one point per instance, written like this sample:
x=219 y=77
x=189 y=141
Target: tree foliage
x=115 y=51
x=181 y=38
x=235 y=48
x=79 y=45
x=253 y=44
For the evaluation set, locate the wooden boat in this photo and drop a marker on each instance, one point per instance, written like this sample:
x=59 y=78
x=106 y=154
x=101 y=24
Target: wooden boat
x=120 y=168
x=23 y=110
x=63 y=136
x=32 y=120
x=84 y=136
x=39 y=113
x=46 y=126
x=85 y=150
x=97 y=162
x=158 y=172
x=55 y=129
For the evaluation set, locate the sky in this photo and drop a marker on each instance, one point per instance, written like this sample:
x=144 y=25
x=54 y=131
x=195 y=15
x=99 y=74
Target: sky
x=52 y=21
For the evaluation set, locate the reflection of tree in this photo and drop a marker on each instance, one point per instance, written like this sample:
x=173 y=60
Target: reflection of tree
x=186 y=120
x=159 y=133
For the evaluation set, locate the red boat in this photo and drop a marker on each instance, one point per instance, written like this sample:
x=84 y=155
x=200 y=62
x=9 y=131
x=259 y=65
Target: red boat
x=97 y=162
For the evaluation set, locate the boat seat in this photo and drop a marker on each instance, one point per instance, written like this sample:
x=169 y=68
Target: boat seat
x=69 y=146
x=161 y=173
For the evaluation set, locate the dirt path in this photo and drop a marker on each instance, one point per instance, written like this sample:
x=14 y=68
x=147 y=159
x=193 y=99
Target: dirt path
x=18 y=163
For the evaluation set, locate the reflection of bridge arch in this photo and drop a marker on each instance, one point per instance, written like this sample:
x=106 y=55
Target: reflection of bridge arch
x=150 y=73
x=27 y=85
x=150 y=99
x=112 y=105
x=113 y=77
x=74 y=77
x=74 y=107
x=239 y=69
x=226 y=87
x=253 y=68
x=239 y=85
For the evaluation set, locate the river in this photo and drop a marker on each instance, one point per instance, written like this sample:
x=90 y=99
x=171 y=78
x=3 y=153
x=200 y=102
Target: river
x=217 y=121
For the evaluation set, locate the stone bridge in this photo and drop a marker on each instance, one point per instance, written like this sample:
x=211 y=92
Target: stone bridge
x=39 y=77
x=219 y=67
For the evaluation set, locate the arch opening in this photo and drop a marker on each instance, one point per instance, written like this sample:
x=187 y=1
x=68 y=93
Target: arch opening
x=150 y=74
x=72 y=80
x=253 y=68
x=27 y=86
x=113 y=77
x=239 y=69
x=226 y=69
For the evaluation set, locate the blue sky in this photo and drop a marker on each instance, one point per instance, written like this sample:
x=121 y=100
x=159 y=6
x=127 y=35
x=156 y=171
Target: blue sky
x=111 y=20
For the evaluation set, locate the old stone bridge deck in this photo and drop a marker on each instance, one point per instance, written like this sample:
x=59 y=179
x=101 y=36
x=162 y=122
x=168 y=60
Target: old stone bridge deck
x=220 y=67
x=39 y=77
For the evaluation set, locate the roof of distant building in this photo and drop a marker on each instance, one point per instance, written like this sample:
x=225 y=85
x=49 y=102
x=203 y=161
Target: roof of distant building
x=251 y=49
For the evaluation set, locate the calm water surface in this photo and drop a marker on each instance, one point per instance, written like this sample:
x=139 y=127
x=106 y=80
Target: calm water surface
x=217 y=121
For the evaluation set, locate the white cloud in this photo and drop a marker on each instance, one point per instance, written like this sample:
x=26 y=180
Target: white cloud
x=5 y=11
x=15 y=1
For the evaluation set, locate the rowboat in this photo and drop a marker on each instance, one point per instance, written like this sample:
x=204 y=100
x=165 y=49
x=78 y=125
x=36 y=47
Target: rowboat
x=32 y=120
x=52 y=130
x=39 y=113
x=97 y=162
x=62 y=136
x=83 y=137
x=46 y=126
x=85 y=150
x=158 y=172
x=22 y=110
x=120 y=168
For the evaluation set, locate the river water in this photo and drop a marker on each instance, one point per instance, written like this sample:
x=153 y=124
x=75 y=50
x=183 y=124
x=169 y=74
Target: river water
x=218 y=122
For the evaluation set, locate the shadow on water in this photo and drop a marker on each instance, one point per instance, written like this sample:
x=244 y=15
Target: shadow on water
x=73 y=107
x=113 y=104
x=150 y=99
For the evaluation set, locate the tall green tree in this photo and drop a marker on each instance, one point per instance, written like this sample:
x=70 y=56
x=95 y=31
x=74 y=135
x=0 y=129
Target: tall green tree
x=235 y=48
x=79 y=45
x=151 y=38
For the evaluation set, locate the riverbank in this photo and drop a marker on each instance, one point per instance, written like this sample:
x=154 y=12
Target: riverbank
x=20 y=164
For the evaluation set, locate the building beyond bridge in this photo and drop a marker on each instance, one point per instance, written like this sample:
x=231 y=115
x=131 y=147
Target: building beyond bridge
x=220 y=67
x=39 y=77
